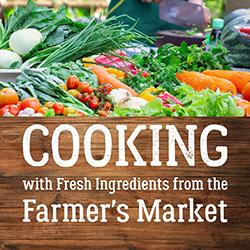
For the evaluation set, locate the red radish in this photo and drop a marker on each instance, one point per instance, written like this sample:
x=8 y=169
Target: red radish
x=169 y=99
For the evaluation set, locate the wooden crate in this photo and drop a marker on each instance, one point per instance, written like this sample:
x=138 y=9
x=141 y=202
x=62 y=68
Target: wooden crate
x=14 y=234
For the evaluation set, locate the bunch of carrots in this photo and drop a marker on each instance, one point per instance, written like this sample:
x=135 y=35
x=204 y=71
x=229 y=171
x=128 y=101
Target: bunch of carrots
x=234 y=82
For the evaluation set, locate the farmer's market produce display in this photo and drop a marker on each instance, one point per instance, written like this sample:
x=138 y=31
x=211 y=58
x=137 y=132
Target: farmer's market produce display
x=70 y=68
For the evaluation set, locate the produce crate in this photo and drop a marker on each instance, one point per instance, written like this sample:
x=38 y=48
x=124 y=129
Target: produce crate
x=132 y=235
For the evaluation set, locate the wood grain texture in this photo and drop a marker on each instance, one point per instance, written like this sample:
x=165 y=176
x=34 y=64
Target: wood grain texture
x=14 y=234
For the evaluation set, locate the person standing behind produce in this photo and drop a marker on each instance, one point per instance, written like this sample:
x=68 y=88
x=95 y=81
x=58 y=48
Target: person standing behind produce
x=145 y=11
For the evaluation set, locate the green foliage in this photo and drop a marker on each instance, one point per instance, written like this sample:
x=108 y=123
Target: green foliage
x=63 y=71
x=45 y=88
x=163 y=64
x=216 y=7
x=152 y=108
x=206 y=103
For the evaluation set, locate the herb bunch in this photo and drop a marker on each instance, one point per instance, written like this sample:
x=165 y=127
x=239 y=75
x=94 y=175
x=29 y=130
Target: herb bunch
x=163 y=64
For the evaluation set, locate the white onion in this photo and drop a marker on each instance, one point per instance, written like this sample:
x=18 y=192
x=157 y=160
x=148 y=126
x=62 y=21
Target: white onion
x=23 y=41
x=9 y=58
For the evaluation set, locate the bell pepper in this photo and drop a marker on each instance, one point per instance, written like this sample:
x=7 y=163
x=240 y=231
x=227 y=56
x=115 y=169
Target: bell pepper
x=119 y=74
x=149 y=94
x=88 y=62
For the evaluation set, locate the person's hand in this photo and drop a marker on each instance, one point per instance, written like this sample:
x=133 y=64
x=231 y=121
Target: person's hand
x=151 y=1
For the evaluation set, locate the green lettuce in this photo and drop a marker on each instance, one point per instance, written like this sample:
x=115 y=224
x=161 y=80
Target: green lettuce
x=206 y=103
x=152 y=108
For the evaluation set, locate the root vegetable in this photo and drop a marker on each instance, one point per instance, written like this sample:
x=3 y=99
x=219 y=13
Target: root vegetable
x=238 y=78
x=104 y=77
x=8 y=59
x=199 y=81
x=246 y=92
x=23 y=41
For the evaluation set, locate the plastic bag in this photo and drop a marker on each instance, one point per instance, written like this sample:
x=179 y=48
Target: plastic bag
x=237 y=40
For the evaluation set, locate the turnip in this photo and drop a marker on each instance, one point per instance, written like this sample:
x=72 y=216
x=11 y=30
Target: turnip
x=132 y=103
x=23 y=41
x=118 y=95
x=9 y=59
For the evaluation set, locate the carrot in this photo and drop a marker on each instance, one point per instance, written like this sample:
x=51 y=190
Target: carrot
x=246 y=92
x=104 y=77
x=199 y=81
x=247 y=111
x=194 y=79
x=238 y=78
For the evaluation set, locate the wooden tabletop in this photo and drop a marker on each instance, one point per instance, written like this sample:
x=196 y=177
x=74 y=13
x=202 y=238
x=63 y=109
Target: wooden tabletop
x=15 y=234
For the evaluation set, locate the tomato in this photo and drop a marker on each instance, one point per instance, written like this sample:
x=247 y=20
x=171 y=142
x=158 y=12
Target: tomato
x=75 y=93
x=43 y=110
x=63 y=86
x=11 y=108
x=95 y=98
x=73 y=82
x=85 y=98
x=102 y=113
x=89 y=90
x=94 y=104
x=31 y=102
x=58 y=108
x=107 y=106
x=82 y=87
x=106 y=88
x=8 y=96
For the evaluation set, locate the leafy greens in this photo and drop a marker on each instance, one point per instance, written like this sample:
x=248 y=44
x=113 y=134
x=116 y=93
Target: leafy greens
x=163 y=64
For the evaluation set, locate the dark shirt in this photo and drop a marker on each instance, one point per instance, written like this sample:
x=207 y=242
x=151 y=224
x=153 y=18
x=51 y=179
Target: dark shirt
x=147 y=15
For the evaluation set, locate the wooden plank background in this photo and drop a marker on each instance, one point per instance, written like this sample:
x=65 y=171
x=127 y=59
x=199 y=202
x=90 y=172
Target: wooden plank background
x=14 y=234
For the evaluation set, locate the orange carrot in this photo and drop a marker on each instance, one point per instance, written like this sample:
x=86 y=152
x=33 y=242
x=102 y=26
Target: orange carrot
x=104 y=77
x=247 y=111
x=238 y=78
x=246 y=92
x=199 y=81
